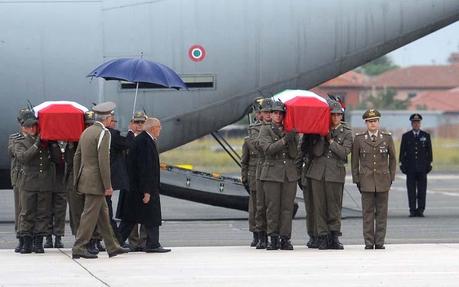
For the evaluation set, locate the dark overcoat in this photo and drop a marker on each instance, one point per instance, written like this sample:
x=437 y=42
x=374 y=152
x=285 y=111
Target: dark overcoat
x=144 y=177
x=118 y=166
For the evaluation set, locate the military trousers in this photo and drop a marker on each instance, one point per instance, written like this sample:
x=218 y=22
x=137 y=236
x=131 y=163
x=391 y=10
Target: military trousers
x=56 y=224
x=260 y=212
x=151 y=231
x=252 y=210
x=416 y=185
x=308 y=204
x=95 y=212
x=34 y=216
x=279 y=199
x=138 y=236
x=327 y=201
x=374 y=212
x=17 y=208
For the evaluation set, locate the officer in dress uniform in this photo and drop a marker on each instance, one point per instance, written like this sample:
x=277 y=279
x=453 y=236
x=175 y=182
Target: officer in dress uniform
x=260 y=213
x=279 y=178
x=373 y=170
x=327 y=174
x=249 y=160
x=91 y=165
x=37 y=183
x=416 y=163
x=15 y=176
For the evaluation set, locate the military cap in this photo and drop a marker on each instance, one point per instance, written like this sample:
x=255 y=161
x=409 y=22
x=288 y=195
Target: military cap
x=278 y=106
x=139 y=116
x=335 y=107
x=266 y=105
x=21 y=114
x=89 y=117
x=28 y=119
x=257 y=104
x=416 y=117
x=104 y=108
x=371 y=114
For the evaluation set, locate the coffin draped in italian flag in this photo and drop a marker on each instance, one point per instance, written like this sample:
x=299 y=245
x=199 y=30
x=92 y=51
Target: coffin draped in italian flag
x=60 y=120
x=306 y=112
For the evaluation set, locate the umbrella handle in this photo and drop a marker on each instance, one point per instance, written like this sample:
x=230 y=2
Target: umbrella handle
x=135 y=98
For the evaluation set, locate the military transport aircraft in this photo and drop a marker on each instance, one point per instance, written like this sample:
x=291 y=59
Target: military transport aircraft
x=227 y=51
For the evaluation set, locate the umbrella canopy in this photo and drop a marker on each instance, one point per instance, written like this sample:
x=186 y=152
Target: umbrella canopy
x=60 y=120
x=305 y=111
x=138 y=70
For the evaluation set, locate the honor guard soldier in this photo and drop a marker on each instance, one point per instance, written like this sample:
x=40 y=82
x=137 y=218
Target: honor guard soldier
x=249 y=161
x=327 y=174
x=36 y=185
x=91 y=165
x=373 y=170
x=416 y=163
x=279 y=177
x=15 y=177
x=260 y=214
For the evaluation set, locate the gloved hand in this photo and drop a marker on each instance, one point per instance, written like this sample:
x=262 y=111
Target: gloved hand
x=290 y=136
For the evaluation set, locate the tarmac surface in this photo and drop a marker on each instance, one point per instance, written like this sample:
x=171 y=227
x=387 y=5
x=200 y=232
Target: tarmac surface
x=209 y=248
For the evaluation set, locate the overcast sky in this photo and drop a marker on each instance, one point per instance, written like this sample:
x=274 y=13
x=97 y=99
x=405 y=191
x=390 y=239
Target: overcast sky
x=432 y=49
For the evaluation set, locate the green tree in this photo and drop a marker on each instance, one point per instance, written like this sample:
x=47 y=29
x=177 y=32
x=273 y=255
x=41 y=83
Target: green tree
x=384 y=100
x=378 y=66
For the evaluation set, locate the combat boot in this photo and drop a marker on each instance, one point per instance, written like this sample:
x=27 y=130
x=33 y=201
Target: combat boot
x=262 y=240
x=334 y=241
x=38 y=245
x=91 y=246
x=255 y=239
x=99 y=245
x=20 y=244
x=323 y=242
x=286 y=244
x=274 y=243
x=58 y=242
x=27 y=246
x=313 y=242
x=49 y=242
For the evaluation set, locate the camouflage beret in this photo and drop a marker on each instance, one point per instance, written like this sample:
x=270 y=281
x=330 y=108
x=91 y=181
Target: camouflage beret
x=139 y=117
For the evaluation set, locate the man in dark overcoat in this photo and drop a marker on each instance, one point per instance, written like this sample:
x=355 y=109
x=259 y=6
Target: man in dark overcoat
x=142 y=202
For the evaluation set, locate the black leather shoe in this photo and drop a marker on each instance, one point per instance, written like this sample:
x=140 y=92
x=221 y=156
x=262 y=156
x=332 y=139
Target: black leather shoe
x=49 y=242
x=85 y=255
x=118 y=251
x=380 y=247
x=100 y=246
x=368 y=246
x=420 y=213
x=159 y=249
x=58 y=242
x=91 y=246
x=323 y=242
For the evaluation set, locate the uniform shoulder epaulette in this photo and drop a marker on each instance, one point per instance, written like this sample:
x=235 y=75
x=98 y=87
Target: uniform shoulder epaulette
x=386 y=133
x=346 y=127
x=15 y=135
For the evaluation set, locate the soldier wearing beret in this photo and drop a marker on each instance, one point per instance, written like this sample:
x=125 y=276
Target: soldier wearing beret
x=373 y=170
x=279 y=177
x=91 y=165
x=249 y=160
x=327 y=174
x=37 y=183
x=416 y=163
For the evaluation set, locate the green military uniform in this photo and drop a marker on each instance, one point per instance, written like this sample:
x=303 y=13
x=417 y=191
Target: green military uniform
x=36 y=186
x=303 y=162
x=279 y=178
x=373 y=170
x=91 y=166
x=249 y=161
x=15 y=176
x=327 y=174
x=56 y=224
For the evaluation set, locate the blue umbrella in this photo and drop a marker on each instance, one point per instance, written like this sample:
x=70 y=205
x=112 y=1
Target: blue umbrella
x=138 y=70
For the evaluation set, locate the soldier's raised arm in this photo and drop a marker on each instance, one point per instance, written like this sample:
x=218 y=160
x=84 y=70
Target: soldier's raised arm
x=342 y=147
x=24 y=154
x=271 y=143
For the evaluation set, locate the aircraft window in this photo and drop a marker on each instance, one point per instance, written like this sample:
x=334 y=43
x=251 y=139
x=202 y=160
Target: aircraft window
x=191 y=81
